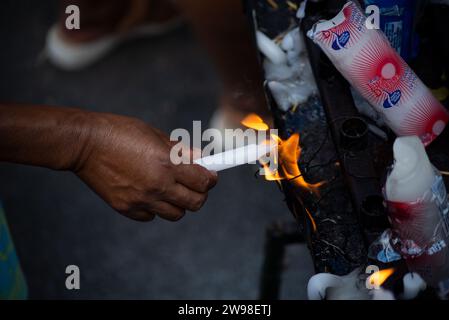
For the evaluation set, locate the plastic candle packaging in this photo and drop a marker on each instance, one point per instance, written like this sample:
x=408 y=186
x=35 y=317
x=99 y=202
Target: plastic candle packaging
x=369 y=63
x=418 y=208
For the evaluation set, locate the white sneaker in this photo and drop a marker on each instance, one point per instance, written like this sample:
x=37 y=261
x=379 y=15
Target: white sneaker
x=75 y=56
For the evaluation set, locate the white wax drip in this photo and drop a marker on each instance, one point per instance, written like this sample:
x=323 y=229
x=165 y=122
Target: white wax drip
x=270 y=49
x=413 y=285
x=382 y=294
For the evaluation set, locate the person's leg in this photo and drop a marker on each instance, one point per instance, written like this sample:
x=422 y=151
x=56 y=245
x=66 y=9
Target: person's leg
x=224 y=30
x=105 y=17
x=221 y=25
x=104 y=24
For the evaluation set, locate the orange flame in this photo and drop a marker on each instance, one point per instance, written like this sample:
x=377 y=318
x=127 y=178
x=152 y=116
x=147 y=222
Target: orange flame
x=255 y=122
x=378 y=278
x=289 y=153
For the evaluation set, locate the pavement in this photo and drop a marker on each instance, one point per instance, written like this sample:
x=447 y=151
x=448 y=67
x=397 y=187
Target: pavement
x=57 y=221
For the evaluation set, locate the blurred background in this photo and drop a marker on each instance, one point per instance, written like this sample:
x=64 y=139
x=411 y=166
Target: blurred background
x=56 y=220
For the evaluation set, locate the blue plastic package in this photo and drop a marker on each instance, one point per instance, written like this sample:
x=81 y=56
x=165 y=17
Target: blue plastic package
x=397 y=21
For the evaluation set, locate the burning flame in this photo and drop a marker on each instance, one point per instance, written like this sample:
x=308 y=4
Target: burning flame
x=378 y=278
x=289 y=153
x=255 y=122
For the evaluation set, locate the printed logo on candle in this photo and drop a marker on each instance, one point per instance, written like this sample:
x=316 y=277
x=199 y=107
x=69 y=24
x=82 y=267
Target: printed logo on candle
x=340 y=40
x=231 y=148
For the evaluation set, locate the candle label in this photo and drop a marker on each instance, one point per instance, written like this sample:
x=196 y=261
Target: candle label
x=422 y=226
x=418 y=228
x=373 y=67
x=382 y=249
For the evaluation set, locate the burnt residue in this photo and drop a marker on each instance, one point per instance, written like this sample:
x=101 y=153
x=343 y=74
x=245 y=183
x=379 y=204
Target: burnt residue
x=336 y=243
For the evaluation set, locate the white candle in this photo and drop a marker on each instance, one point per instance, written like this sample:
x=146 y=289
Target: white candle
x=236 y=157
x=412 y=173
x=270 y=49
x=319 y=283
x=382 y=294
x=413 y=285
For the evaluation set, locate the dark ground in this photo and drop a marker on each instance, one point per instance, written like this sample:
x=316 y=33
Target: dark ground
x=56 y=220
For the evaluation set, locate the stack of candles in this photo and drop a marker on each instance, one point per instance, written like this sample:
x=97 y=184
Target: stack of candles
x=413 y=285
x=287 y=68
x=332 y=287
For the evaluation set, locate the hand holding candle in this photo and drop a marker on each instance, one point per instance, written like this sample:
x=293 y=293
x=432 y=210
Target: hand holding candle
x=247 y=154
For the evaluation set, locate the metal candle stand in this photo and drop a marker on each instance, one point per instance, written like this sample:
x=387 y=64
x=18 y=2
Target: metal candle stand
x=350 y=213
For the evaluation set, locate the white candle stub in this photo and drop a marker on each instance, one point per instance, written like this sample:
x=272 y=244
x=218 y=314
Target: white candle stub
x=270 y=49
x=382 y=294
x=236 y=157
x=319 y=283
x=413 y=285
x=332 y=287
